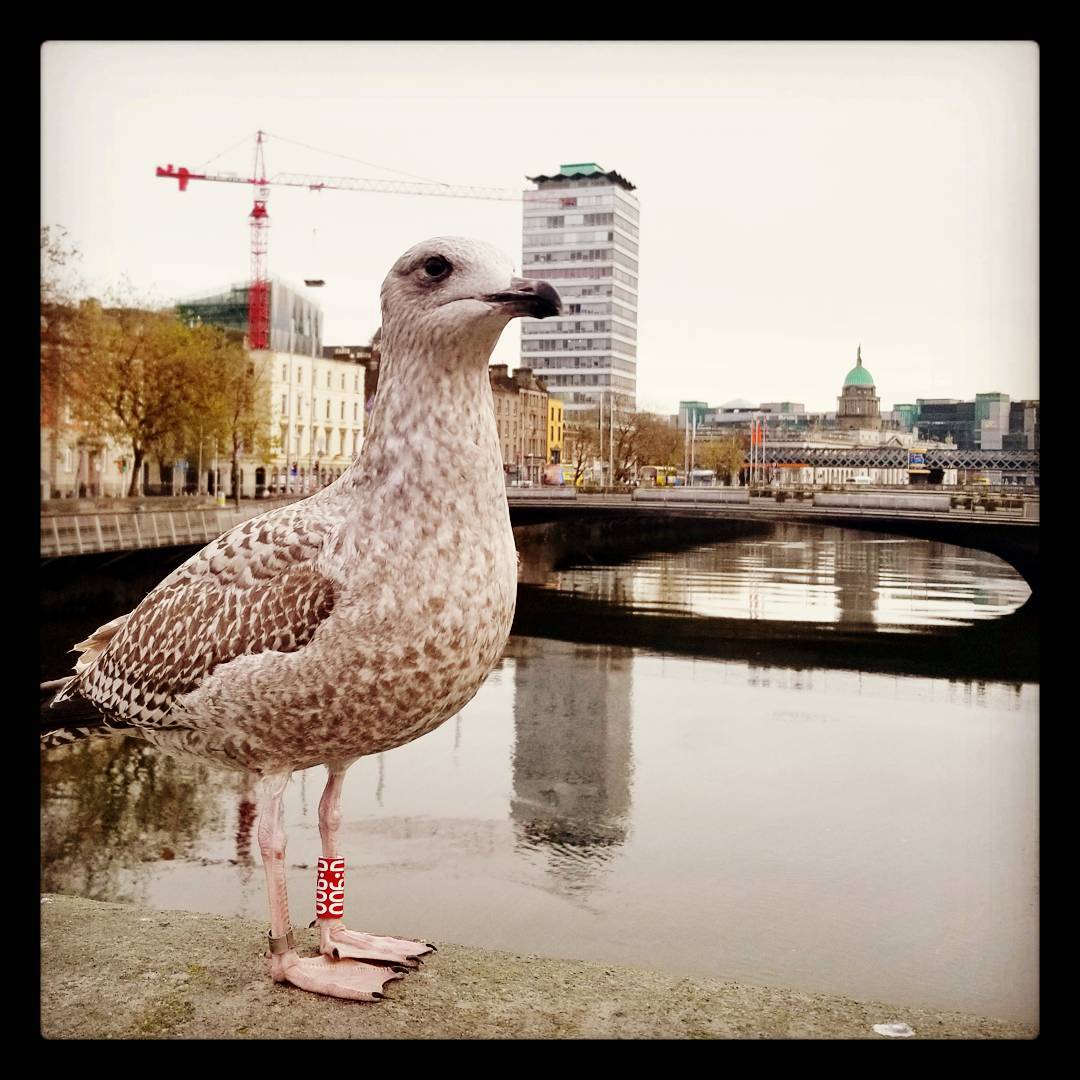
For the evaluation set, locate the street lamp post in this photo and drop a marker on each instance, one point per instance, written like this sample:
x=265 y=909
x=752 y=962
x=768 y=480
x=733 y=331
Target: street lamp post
x=693 y=449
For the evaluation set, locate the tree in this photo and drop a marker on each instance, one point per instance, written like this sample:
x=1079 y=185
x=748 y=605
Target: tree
x=622 y=436
x=658 y=442
x=639 y=438
x=139 y=376
x=232 y=399
x=60 y=285
x=628 y=441
x=725 y=455
x=60 y=282
x=581 y=442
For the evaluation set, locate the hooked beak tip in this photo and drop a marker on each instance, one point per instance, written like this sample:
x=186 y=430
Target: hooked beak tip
x=527 y=296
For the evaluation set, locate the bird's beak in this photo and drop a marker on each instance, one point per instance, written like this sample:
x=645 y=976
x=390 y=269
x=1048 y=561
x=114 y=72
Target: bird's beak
x=525 y=296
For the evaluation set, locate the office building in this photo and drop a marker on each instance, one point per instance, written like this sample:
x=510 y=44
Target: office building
x=580 y=232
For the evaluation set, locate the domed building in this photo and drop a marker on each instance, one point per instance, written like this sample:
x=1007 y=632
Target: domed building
x=859 y=405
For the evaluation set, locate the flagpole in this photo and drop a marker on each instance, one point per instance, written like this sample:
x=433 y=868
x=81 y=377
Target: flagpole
x=764 y=436
x=611 y=438
x=600 y=436
x=753 y=448
x=693 y=450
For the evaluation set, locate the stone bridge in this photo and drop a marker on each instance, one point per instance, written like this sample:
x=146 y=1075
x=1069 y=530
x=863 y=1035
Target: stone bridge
x=1010 y=535
x=1013 y=535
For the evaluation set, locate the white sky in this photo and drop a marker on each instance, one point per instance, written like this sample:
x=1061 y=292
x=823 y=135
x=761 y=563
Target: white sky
x=797 y=199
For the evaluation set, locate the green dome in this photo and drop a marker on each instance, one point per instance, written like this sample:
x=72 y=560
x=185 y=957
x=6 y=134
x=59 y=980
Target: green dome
x=858 y=376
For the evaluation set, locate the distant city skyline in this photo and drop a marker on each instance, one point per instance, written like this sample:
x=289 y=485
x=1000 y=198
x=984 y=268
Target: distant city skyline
x=887 y=403
x=797 y=198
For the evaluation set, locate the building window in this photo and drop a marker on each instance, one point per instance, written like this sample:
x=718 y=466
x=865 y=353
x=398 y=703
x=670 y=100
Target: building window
x=284 y=404
x=299 y=374
x=328 y=407
x=328 y=380
x=343 y=380
x=355 y=411
x=284 y=373
x=343 y=412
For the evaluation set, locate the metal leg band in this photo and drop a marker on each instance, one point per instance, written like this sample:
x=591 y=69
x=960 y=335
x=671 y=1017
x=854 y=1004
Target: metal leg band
x=283 y=944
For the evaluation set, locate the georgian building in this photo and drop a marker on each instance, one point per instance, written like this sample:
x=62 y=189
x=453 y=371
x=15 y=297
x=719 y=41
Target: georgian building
x=313 y=397
x=555 y=431
x=521 y=417
x=317 y=404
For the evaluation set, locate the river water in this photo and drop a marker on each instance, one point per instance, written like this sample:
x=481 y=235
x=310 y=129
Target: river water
x=870 y=833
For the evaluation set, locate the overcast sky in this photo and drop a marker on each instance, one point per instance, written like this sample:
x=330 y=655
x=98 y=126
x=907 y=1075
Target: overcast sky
x=797 y=199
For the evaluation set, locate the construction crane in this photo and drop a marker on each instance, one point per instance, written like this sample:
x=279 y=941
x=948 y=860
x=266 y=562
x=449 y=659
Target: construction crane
x=259 y=291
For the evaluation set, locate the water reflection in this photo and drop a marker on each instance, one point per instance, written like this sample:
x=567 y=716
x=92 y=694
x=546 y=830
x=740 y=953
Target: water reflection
x=815 y=827
x=113 y=808
x=828 y=830
x=856 y=571
x=805 y=573
x=572 y=757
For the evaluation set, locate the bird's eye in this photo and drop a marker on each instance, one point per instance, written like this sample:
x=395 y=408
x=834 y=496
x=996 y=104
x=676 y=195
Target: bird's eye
x=436 y=267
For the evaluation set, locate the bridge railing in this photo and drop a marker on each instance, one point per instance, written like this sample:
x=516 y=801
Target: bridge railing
x=691 y=495
x=83 y=534
x=545 y=492
x=935 y=501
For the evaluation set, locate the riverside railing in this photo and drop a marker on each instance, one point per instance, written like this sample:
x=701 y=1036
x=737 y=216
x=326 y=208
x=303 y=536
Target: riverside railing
x=127 y=530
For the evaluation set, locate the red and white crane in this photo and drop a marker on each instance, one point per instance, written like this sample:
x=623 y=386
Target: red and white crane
x=259 y=292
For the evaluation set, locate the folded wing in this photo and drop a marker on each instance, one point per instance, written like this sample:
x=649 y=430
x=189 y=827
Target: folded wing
x=256 y=589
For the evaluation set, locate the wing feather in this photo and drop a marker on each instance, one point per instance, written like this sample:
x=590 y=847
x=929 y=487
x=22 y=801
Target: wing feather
x=255 y=589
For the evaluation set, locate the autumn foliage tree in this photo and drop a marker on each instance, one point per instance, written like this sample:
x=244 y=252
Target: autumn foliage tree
x=233 y=400
x=127 y=377
x=144 y=378
x=135 y=373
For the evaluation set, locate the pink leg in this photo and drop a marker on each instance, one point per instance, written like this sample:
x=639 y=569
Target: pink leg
x=334 y=939
x=319 y=974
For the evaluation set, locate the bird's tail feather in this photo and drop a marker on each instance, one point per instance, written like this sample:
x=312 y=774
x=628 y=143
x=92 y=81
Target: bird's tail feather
x=65 y=720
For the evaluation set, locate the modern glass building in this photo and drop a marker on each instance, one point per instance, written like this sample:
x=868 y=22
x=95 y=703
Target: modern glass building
x=295 y=321
x=580 y=232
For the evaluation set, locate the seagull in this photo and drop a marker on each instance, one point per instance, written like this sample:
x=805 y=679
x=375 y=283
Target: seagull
x=347 y=623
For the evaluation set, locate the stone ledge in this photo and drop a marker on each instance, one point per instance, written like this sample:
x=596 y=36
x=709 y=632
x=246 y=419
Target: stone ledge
x=111 y=971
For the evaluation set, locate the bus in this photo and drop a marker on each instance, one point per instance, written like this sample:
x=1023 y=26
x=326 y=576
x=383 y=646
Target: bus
x=657 y=475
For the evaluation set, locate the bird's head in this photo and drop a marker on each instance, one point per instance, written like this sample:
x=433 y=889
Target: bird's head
x=453 y=286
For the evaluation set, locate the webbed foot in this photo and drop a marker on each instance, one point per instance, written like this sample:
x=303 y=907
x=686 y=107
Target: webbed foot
x=341 y=944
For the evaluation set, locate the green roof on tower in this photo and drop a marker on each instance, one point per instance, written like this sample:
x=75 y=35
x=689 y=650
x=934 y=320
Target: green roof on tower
x=567 y=174
x=858 y=375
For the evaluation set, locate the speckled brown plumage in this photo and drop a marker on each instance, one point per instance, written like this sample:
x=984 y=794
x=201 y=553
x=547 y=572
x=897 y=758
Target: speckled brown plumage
x=359 y=618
